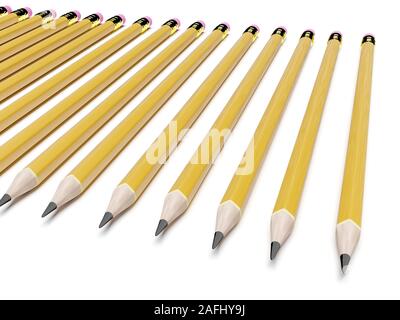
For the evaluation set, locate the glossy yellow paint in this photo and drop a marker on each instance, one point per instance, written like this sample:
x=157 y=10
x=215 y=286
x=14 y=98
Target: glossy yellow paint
x=13 y=18
x=28 y=40
x=191 y=178
x=242 y=182
x=293 y=183
x=351 y=201
x=26 y=57
x=34 y=133
x=144 y=170
x=18 y=109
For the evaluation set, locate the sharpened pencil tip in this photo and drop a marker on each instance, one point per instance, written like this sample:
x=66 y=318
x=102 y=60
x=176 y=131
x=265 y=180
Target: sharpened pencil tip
x=6 y=198
x=344 y=262
x=275 y=247
x=162 y=225
x=50 y=208
x=218 y=237
x=106 y=219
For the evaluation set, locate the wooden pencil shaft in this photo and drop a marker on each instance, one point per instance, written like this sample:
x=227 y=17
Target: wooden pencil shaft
x=25 y=41
x=351 y=201
x=15 y=111
x=24 y=58
x=23 y=141
x=241 y=184
x=25 y=26
x=97 y=160
x=13 y=18
x=194 y=173
x=39 y=68
x=293 y=183
x=144 y=171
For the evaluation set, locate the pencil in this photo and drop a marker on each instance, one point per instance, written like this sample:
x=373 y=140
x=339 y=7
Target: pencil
x=34 y=133
x=135 y=182
x=27 y=40
x=5 y=10
x=350 y=209
x=18 y=109
x=287 y=203
x=189 y=181
x=13 y=17
x=20 y=80
x=26 y=57
x=232 y=205
x=87 y=170
x=27 y=25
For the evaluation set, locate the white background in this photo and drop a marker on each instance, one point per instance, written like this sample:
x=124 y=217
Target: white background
x=67 y=256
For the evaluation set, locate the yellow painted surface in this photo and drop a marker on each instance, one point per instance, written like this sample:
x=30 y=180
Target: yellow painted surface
x=34 y=133
x=192 y=176
x=351 y=201
x=293 y=183
x=241 y=185
x=11 y=19
x=25 y=41
x=60 y=151
x=144 y=170
x=18 y=109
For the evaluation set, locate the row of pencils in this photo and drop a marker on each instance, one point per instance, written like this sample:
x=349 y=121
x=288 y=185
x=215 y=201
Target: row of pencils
x=32 y=46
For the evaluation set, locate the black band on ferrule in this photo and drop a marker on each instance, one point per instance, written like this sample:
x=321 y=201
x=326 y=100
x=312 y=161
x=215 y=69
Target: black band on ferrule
x=197 y=25
x=308 y=34
x=70 y=15
x=116 y=20
x=280 y=31
x=3 y=10
x=368 y=38
x=172 y=23
x=45 y=14
x=222 y=27
x=143 y=21
x=21 y=12
x=93 y=18
x=335 y=36
x=252 y=29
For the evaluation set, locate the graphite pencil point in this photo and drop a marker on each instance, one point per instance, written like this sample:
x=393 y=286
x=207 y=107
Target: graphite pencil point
x=50 y=208
x=218 y=237
x=162 y=225
x=344 y=262
x=6 y=198
x=275 y=247
x=106 y=219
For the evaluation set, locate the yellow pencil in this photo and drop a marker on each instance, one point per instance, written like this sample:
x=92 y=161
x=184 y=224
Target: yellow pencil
x=34 y=133
x=31 y=73
x=27 y=25
x=14 y=17
x=189 y=181
x=287 y=203
x=97 y=160
x=135 y=182
x=18 y=109
x=24 y=58
x=25 y=41
x=239 y=189
x=351 y=202
x=5 y=10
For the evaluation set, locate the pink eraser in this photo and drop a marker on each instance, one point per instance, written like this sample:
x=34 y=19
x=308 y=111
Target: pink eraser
x=100 y=16
x=311 y=30
x=202 y=23
x=122 y=17
x=53 y=13
x=78 y=14
x=284 y=28
x=256 y=26
x=149 y=19
x=29 y=11
x=177 y=20
x=8 y=8
x=227 y=24
x=369 y=34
